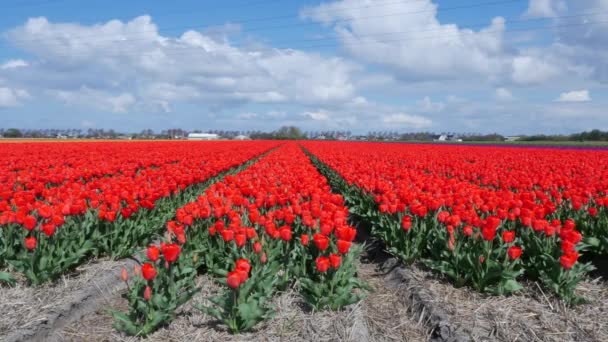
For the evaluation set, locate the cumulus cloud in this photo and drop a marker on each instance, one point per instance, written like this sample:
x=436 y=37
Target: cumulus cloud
x=13 y=64
x=581 y=35
x=575 y=96
x=320 y=115
x=545 y=8
x=122 y=64
x=12 y=97
x=398 y=52
x=407 y=120
x=529 y=70
x=409 y=39
x=116 y=103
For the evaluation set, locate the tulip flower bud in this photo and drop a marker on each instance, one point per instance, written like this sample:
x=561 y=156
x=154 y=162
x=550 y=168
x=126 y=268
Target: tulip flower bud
x=147 y=293
x=124 y=275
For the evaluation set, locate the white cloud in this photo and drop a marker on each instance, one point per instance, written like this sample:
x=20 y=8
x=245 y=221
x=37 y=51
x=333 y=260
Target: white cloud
x=503 y=94
x=320 y=115
x=545 y=8
x=416 y=46
x=246 y=116
x=575 y=96
x=12 y=97
x=13 y=64
x=581 y=37
x=530 y=70
x=407 y=120
x=412 y=61
x=118 y=58
x=86 y=97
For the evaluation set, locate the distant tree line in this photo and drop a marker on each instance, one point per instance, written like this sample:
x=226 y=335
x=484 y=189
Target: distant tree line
x=593 y=135
x=291 y=133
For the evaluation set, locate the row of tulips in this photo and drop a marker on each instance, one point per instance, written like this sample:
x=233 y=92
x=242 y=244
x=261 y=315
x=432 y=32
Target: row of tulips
x=470 y=228
x=35 y=167
x=45 y=234
x=270 y=227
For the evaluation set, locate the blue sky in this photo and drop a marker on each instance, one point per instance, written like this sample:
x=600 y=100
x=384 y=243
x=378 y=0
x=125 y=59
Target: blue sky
x=513 y=67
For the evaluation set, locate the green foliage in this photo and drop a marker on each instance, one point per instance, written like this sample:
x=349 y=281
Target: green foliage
x=244 y=307
x=7 y=278
x=52 y=257
x=542 y=261
x=12 y=133
x=334 y=289
x=172 y=287
x=484 y=265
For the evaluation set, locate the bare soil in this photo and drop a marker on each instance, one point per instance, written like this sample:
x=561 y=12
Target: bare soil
x=530 y=315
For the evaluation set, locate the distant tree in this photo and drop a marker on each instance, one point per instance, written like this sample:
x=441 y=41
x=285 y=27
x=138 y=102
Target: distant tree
x=289 y=133
x=13 y=133
x=486 y=137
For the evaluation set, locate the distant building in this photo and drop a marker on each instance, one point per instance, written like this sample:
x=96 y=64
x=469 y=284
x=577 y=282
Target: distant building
x=203 y=136
x=242 y=137
x=447 y=137
x=512 y=138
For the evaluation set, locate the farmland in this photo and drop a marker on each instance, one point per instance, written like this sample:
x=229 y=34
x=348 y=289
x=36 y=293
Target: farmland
x=274 y=240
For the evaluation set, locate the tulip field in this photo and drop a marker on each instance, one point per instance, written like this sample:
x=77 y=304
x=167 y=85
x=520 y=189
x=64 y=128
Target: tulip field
x=483 y=217
x=262 y=218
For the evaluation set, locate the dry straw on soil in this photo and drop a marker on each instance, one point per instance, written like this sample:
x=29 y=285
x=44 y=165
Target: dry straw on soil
x=25 y=307
x=531 y=315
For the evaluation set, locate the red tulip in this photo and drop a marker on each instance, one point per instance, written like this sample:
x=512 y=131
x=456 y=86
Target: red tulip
x=233 y=280
x=30 y=243
x=304 y=239
x=243 y=264
x=406 y=223
x=343 y=246
x=227 y=235
x=514 y=252
x=243 y=276
x=170 y=251
x=568 y=260
x=285 y=233
x=335 y=260
x=148 y=271
x=153 y=253
x=508 y=236
x=322 y=264
x=30 y=222
x=321 y=241
x=240 y=240
x=257 y=247
x=48 y=229
x=592 y=211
